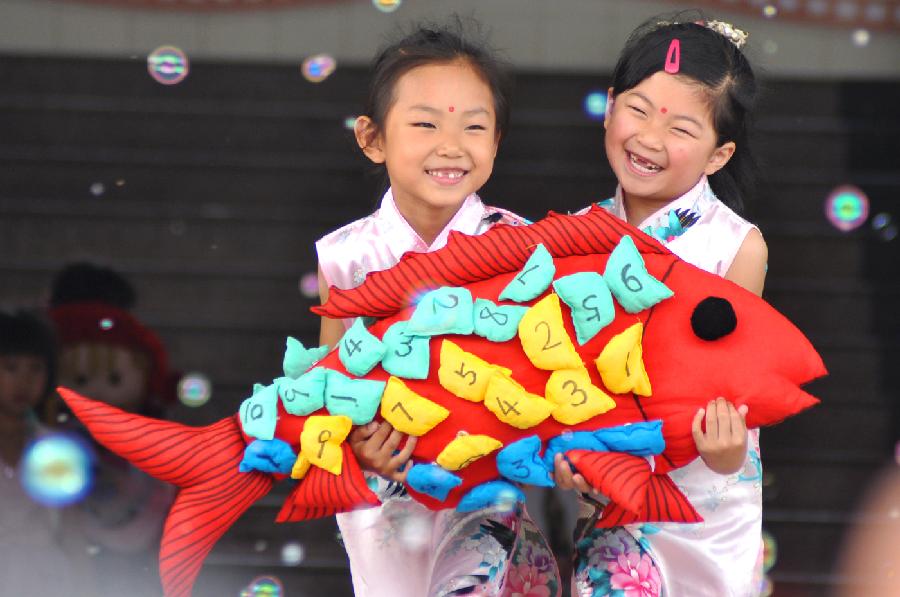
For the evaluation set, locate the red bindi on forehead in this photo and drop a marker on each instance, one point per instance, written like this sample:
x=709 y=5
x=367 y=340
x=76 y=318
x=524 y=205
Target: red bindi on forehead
x=663 y=110
x=451 y=108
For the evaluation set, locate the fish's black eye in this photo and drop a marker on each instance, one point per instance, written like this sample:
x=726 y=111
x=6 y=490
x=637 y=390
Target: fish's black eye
x=713 y=318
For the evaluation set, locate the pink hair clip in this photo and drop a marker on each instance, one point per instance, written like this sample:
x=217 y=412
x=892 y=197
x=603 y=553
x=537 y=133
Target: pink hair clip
x=673 y=57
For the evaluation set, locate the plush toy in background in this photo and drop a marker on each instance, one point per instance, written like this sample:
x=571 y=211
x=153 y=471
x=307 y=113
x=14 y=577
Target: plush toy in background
x=108 y=354
x=578 y=334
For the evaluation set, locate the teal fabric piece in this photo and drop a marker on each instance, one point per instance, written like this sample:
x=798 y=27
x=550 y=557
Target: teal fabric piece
x=497 y=323
x=359 y=350
x=521 y=462
x=629 y=281
x=358 y=399
x=259 y=412
x=304 y=395
x=432 y=480
x=405 y=355
x=492 y=493
x=590 y=301
x=298 y=359
x=446 y=310
x=533 y=279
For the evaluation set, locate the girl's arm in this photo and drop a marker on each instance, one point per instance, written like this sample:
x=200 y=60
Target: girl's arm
x=376 y=444
x=749 y=266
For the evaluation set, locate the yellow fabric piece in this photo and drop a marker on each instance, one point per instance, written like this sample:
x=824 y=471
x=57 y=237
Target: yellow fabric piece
x=576 y=398
x=463 y=374
x=514 y=405
x=301 y=467
x=466 y=449
x=544 y=337
x=409 y=412
x=621 y=363
x=321 y=439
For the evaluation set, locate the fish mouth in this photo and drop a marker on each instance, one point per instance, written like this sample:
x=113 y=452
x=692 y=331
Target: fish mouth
x=641 y=165
x=447 y=176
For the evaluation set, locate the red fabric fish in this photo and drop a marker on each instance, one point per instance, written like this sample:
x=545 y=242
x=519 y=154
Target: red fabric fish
x=711 y=338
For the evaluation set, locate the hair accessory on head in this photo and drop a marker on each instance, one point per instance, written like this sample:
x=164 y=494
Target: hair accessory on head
x=673 y=57
x=736 y=36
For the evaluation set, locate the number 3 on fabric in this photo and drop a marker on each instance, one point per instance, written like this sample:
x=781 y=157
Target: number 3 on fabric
x=577 y=399
x=405 y=355
x=629 y=281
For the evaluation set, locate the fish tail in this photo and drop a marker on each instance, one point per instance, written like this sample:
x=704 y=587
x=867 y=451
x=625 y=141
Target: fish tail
x=201 y=461
x=664 y=502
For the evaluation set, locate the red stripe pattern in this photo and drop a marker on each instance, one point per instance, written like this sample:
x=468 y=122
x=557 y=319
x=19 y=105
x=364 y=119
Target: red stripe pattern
x=321 y=493
x=465 y=259
x=202 y=461
x=664 y=502
x=621 y=477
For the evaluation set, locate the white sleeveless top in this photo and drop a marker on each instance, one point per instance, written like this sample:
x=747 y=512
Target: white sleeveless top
x=721 y=556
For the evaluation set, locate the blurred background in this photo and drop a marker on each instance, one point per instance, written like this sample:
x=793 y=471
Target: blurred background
x=199 y=147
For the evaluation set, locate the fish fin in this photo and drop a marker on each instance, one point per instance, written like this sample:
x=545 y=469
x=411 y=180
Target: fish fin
x=466 y=259
x=202 y=461
x=622 y=477
x=664 y=503
x=321 y=493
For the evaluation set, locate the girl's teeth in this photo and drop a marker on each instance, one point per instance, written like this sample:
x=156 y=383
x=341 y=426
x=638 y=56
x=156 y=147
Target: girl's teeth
x=446 y=173
x=643 y=165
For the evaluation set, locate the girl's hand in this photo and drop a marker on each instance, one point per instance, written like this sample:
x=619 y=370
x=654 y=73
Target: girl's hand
x=375 y=446
x=723 y=446
x=566 y=479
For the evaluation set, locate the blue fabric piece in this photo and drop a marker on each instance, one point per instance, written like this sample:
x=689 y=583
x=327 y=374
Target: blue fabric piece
x=492 y=493
x=405 y=355
x=497 y=323
x=572 y=440
x=359 y=350
x=298 y=359
x=358 y=399
x=432 y=480
x=259 y=412
x=644 y=438
x=533 y=279
x=304 y=395
x=590 y=301
x=521 y=462
x=446 y=310
x=629 y=281
x=269 y=456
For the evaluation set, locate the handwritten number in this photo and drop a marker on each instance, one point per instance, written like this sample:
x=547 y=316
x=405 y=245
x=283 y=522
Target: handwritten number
x=403 y=410
x=499 y=318
x=437 y=303
x=464 y=374
x=408 y=344
x=345 y=398
x=596 y=310
x=521 y=469
x=522 y=275
x=576 y=390
x=506 y=407
x=628 y=281
x=352 y=345
x=547 y=345
x=323 y=439
x=256 y=412
x=294 y=393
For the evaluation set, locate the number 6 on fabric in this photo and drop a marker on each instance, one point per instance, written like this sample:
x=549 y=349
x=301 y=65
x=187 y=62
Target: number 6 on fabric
x=628 y=279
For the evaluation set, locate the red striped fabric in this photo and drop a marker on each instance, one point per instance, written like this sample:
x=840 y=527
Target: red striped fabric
x=466 y=259
x=321 y=493
x=201 y=461
x=621 y=477
x=664 y=502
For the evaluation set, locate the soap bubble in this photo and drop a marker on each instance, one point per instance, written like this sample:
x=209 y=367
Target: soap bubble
x=769 y=11
x=387 y=5
x=309 y=285
x=318 y=68
x=97 y=189
x=595 y=105
x=263 y=586
x=57 y=470
x=350 y=122
x=770 y=550
x=767 y=588
x=415 y=532
x=847 y=207
x=194 y=389
x=292 y=554
x=260 y=546
x=861 y=37
x=168 y=65
x=106 y=324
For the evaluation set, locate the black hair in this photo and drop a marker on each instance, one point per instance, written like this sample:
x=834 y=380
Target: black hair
x=429 y=43
x=83 y=281
x=25 y=333
x=713 y=61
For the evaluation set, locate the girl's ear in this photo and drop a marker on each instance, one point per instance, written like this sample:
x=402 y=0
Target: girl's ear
x=368 y=139
x=609 y=106
x=719 y=158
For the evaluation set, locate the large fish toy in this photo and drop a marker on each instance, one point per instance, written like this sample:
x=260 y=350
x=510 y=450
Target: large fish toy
x=577 y=334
